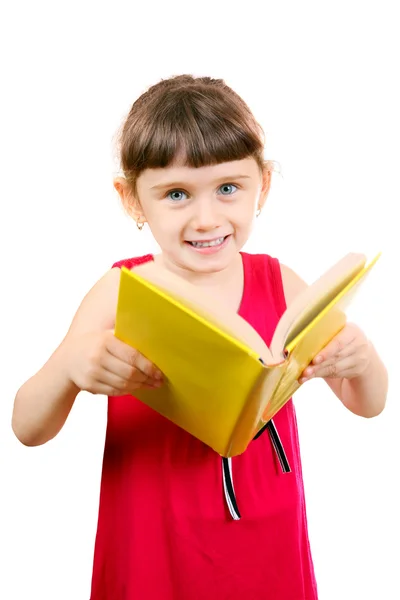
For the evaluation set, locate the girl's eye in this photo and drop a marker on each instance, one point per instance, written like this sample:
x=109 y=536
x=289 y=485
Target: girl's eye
x=226 y=186
x=174 y=195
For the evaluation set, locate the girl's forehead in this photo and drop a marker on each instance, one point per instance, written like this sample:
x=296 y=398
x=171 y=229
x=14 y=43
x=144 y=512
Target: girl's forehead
x=178 y=171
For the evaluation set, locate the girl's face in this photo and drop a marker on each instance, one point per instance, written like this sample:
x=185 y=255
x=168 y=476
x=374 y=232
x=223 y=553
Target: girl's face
x=201 y=217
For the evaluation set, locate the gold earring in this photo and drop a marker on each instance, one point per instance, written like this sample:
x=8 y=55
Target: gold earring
x=139 y=225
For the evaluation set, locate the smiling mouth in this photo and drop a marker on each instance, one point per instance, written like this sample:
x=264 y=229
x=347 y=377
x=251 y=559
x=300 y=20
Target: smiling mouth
x=208 y=243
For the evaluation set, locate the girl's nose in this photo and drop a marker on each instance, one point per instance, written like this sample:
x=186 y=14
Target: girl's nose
x=205 y=217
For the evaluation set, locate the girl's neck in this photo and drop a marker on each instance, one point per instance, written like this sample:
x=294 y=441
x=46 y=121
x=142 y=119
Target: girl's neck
x=227 y=284
x=203 y=279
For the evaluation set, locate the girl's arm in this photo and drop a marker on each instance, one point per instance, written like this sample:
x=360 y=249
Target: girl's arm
x=349 y=364
x=90 y=358
x=43 y=403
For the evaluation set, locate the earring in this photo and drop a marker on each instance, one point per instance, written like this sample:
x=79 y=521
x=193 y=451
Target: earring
x=139 y=225
x=258 y=213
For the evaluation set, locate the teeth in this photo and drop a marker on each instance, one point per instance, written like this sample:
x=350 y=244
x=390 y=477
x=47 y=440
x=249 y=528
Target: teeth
x=208 y=244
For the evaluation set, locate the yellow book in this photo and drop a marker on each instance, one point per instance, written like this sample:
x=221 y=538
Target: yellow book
x=222 y=382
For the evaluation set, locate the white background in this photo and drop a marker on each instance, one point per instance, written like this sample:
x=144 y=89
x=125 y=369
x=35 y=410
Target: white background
x=322 y=79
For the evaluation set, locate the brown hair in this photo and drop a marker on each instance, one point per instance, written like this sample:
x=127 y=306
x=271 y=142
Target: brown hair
x=201 y=118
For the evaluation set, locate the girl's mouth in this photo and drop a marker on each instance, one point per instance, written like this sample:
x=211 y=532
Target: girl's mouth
x=209 y=246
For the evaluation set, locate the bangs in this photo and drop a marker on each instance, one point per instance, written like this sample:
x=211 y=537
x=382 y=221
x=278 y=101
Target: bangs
x=197 y=128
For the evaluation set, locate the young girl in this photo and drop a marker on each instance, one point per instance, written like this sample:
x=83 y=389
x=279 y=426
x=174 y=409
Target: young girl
x=192 y=158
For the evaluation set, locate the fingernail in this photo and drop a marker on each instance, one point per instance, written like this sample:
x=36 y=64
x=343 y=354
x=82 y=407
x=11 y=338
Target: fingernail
x=318 y=359
x=158 y=375
x=303 y=379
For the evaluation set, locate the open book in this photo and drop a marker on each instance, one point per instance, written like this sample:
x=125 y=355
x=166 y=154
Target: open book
x=222 y=382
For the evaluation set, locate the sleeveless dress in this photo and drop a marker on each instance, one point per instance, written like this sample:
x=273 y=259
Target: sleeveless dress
x=165 y=530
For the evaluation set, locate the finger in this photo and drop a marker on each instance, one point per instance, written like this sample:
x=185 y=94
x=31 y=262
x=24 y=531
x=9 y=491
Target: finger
x=104 y=389
x=334 y=369
x=132 y=357
x=147 y=367
x=123 y=370
x=334 y=351
x=329 y=365
x=124 y=386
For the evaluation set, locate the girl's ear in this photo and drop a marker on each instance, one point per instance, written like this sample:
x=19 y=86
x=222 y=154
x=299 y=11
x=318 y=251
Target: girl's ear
x=129 y=202
x=266 y=184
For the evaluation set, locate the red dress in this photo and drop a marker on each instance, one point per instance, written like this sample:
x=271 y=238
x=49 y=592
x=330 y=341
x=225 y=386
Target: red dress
x=164 y=529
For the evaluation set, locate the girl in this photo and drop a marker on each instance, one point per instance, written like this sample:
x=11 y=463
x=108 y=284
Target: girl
x=192 y=158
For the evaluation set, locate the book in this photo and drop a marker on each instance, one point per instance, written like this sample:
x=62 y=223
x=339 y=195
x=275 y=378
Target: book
x=222 y=383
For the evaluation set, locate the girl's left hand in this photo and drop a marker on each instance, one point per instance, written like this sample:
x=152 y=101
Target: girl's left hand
x=347 y=355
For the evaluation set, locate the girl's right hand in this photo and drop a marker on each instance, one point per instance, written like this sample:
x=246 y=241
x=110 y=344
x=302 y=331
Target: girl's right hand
x=100 y=363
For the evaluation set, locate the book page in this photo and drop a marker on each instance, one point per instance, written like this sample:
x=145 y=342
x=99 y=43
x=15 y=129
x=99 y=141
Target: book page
x=310 y=303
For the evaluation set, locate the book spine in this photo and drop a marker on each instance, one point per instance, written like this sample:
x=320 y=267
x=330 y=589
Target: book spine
x=250 y=417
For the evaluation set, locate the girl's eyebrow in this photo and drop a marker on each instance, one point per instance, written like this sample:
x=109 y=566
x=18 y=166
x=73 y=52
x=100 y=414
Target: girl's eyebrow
x=171 y=184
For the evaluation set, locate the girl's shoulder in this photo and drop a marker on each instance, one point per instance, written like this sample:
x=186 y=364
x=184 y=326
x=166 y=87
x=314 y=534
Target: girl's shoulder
x=98 y=308
x=291 y=282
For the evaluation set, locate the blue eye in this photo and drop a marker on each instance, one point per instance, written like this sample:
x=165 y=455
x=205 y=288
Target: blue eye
x=174 y=192
x=227 y=185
